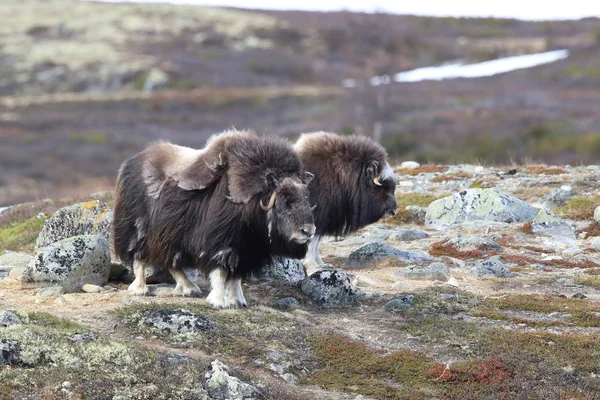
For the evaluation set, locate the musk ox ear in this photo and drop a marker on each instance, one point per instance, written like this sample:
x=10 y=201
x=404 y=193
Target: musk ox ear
x=306 y=177
x=372 y=169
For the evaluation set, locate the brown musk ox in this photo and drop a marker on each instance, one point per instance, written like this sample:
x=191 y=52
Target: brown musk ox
x=225 y=209
x=352 y=188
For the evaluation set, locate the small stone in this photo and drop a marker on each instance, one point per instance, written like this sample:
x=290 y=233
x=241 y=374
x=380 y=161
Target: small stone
x=410 y=165
x=408 y=234
x=371 y=253
x=60 y=301
x=178 y=321
x=13 y=260
x=257 y=319
x=597 y=214
x=548 y=224
x=66 y=385
x=556 y=198
x=289 y=378
x=50 y=291
x=17 y=273
x=330 y=288
x=580 y=296
x=492 y=267
x=415 y=214
x=276 y=356
x=9 y=318
x=10 y=352
x=87 y=288
x=453 y=282
x=400 y=303
x=567 y=282
x=83 y=337
x=287 y=302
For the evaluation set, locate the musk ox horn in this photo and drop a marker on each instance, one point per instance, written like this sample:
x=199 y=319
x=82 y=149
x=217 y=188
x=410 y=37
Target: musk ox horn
x=376 y=181
x=271 y=202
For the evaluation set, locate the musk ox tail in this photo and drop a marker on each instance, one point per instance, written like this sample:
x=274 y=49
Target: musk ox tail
x=131 y=212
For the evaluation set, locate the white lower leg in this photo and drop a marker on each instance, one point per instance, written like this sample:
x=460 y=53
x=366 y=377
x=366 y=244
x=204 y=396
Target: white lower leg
x=184 y=286
x=234 y=293
x=138 y=286
x=216 y=297
x=313 y=261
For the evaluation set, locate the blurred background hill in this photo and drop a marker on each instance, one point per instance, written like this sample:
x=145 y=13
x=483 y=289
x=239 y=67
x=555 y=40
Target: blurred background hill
x=85 y=85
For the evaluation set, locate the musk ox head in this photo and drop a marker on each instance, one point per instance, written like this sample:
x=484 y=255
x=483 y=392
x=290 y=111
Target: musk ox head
x=289 y=214
x=379 y=187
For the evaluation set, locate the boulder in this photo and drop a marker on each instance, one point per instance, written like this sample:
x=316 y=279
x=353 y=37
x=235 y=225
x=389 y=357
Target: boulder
x=10 y=352
x=548 y=224
x=178 y=321
x=286 y=269
x=477 y=205
x=436 y=271
x=556 y=198
x=492 y=267
x=408 y=234
x=89 y=218
x=9 y=318
x=220 y=384
x=72 y=263
x=373 y=252
x=330 y=288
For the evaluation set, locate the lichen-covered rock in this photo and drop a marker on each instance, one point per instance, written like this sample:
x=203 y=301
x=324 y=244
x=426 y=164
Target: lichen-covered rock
x=222 y=385
x=492 y=267
x=287 y=269
x=72 y=263
x=415 y=214
x=436 y=271
x=597 y=214
x=371 y=253
x=548 y=224
x=287 y=302
x=8 y=318
x=477 y=205
x=178 y=321
x=408 y=234
x=400 y=303
x=473 y=243
x=330 y=288
x=89 y=218
x=10 y=351
x=556 y=198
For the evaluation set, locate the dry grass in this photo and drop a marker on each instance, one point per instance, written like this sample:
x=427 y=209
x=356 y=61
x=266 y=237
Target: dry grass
x=441 y=248
x=579 y=208
x=544 y=170
x=423 y=169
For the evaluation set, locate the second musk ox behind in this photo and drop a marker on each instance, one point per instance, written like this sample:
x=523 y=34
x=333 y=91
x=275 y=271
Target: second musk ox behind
x=352 y=188
x=225 y=209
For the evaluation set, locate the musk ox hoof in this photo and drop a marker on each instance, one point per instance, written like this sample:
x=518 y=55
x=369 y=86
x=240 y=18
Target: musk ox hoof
x=138 y=290
x=187 y=291
x=216 y=299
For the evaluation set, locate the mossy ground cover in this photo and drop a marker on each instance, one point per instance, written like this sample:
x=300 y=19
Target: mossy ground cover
x=410 y=199
x=21 y=236
x=579 y=208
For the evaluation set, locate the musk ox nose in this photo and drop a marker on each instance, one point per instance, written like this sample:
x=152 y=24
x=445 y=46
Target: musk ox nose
x=393 y=212
x=308 y=230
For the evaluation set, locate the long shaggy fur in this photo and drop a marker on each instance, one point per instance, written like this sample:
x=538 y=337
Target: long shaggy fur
x=177 y=207
x=343 y=189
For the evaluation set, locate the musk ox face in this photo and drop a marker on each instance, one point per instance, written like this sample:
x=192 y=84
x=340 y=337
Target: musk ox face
x=381 y=201
x=289 y=211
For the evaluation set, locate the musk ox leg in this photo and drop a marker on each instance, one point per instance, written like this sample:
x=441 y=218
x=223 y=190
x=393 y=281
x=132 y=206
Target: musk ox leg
x=313 y=262
x=216 y=297
x=234 y=293
x=138 y=286
x=184 y=287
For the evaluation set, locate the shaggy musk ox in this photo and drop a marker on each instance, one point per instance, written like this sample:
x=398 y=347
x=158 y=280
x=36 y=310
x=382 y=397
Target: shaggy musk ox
x=352 y=188
x=225 y=209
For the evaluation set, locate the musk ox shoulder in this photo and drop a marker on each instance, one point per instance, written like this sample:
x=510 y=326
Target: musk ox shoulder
x=224 y=209
x=352 y=188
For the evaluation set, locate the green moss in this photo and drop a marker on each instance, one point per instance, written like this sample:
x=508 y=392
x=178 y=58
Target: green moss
x=591 y=281
x=579 y=208
x=410 y=199
x=21 y=236
x=51 y=321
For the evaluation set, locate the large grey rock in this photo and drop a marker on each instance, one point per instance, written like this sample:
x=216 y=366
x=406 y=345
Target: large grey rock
x=477 y=205
x=436 y=271
x=178 y=321
x=371 y=253
x=89 y=218
x=330 y=288
x=287 y=269
x=14 y=260
x=597 y=214
x=9 y=318
x=548 y=224
x=492 y=267
x=10 y=352
x=72 y=263
x=408 y=234
x=222 y=385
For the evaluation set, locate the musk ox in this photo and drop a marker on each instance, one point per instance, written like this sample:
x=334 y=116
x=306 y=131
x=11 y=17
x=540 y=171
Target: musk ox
x=352 y=188
x=224 y=209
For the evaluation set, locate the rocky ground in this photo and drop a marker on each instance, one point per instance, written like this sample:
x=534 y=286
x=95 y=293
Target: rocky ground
x=485 y=285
